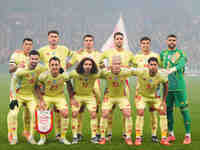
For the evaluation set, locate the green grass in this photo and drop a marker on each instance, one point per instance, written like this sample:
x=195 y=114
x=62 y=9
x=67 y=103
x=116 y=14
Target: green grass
x=117 y=142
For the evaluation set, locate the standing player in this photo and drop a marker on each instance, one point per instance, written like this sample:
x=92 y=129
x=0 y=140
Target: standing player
x=62 y=52
x=22 y=87
x=53 y=84
x=84 y=79
x=116 y=94
x=175 y=60
x=88 y=51
x=141 y=61
x=149 y=80
x=19 y=59
x=127 y=59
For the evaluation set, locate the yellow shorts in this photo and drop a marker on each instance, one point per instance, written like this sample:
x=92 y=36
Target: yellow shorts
x=123 y=103
x=58 y=101
x=89 y=101
x=141 y=102
x=26 y=100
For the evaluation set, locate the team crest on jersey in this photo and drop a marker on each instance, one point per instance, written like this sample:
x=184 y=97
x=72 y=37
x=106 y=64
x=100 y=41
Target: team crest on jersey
x=47 y=53
x=150 y=80
x=115 y=78
x=53 y=53
x=54 y=81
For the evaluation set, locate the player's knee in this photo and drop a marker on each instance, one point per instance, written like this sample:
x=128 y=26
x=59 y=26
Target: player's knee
x=105 y=114
x=93 y=115
x=74 y=114
x=140 y=112
x=162 y=112
x=64 y=113
x=127 y=113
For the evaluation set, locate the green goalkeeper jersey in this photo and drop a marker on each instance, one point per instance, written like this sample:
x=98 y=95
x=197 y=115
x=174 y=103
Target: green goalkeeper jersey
x=174 y=58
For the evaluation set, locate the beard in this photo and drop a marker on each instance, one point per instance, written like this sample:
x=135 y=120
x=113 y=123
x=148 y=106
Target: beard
x=171 y=46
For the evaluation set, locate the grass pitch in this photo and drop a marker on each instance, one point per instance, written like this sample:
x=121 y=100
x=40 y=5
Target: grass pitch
x=193 y=86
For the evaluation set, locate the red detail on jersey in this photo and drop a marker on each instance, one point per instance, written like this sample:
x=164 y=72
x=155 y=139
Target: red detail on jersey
x=105 y=100
x=148 y=86
x=47 y=53
x=31 y=81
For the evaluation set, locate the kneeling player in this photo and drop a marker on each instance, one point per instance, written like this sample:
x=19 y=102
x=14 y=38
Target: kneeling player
x=116 y=94
x=149 y=80
x=22 y=86
x=53 y=83
x=84 y=79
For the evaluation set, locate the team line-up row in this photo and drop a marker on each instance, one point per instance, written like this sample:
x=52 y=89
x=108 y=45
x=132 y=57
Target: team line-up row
x=33 y=84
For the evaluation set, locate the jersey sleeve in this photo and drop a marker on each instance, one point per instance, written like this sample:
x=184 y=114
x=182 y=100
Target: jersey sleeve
x=16 y=77
x=181 y=62
x=138 y=71
x=73 y=59
x=42 y=77
x=13 y=59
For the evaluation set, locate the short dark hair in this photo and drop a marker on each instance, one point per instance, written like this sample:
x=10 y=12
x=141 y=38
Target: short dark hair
x=152 y=59
x=145 y=38
x=80 y=70
x=171 y=35
x=88 y=35
x=53 y=31
x=54 y=58
x=27 y=39
x=118 y=33
x=34 y=52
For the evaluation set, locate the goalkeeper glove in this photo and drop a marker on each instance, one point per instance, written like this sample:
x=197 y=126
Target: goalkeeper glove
x=13 y=103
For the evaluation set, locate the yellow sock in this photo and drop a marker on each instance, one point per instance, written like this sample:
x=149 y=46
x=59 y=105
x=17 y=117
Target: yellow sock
x=163 y=126
x=80 y=123
x=64 y=126
x=74 y=126
x=128 y=126
x=12 y=122
x=93 y=126
x=139 y=125
x=103 y=126
x=26 y=119
x=154 y=122
x=109 y=128
x=57 y=122
x=98 y=123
